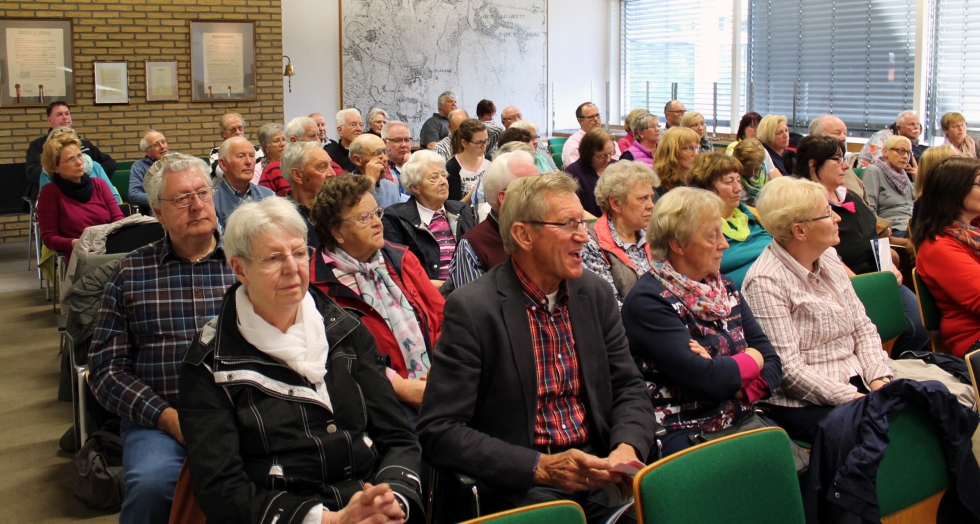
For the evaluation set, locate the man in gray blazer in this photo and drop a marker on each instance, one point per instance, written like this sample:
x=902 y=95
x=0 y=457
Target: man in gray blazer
x=532 y=389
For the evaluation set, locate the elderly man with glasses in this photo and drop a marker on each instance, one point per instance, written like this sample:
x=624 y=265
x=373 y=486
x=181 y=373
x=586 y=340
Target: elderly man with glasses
x=154 y=146
x=588 y=118
x=157 y=298
x=674 y=111
x=350 y=125
x=369 y=155
x=532 y=389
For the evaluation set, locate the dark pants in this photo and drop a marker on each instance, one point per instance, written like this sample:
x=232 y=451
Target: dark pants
x=801 y=423
x=915 y=337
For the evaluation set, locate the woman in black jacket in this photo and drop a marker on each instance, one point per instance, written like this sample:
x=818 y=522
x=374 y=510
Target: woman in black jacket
x=284 y=406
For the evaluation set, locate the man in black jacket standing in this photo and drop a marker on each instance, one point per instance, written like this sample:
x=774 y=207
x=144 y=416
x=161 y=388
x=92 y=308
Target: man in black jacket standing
x=60 y=116
x=532 y=389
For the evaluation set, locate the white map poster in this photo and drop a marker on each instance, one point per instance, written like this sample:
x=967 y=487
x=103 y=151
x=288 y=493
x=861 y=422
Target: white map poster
x=36 y=57
x=224 y=58
x=400 y=55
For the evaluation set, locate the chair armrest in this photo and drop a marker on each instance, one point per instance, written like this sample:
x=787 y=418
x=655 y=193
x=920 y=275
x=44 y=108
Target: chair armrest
x=453 y=497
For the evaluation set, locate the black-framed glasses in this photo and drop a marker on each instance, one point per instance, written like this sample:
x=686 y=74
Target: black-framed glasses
x=830 y=213
x=365 y=218
x=903 y=152
x=596 y=116
x=479 y=143
x=274 y=261
x=838 y=159
x=569 y=227
x=185 y=200
x=399 y=140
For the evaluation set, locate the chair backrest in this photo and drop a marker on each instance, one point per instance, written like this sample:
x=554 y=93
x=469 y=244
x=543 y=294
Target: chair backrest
x=120 y=180
x=556 y=143
x=745 y=478
x=882 y=302
x=913 y=468
x=133 y=237
x=928 y=309
x=973 y=364
x=563 y=511
x=558 y=161
x=859 y=171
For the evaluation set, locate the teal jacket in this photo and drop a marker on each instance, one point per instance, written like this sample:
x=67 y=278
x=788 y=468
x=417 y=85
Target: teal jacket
x=740 y=256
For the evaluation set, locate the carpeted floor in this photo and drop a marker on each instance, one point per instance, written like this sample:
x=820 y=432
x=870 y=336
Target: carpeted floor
x=38 y=477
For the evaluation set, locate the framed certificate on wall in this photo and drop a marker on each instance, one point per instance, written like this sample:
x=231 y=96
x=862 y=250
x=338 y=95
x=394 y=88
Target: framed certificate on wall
x=36 y=61
x=161 y=81
x=222 y=60
x=111 y=82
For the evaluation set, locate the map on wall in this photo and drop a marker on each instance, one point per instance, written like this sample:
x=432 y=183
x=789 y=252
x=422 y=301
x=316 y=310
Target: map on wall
x=400 y=55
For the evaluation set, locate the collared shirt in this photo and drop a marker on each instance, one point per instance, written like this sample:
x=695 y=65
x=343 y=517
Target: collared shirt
x=817 y=325
x=227 y=198
x=465 y=267
x=434 y=129
x=426 y=214
x=560 y=419
x=153 y=305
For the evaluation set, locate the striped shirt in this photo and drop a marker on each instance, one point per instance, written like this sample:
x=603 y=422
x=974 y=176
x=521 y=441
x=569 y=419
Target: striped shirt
x=817 y=325
x=439 y=227
x=560 y=419
x=153 y=305
x=465 y=267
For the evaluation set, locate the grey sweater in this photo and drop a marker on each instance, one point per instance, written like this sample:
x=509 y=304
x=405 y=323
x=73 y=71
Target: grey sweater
x=885 y=200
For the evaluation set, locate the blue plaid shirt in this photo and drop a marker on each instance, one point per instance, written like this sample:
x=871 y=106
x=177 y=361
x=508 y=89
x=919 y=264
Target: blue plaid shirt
x=152 y=306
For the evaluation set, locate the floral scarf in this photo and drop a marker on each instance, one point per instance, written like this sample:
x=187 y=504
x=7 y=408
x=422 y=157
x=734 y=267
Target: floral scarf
x=737 y=227
x=708 y=300
x=967 y=235
x=898 y=179
x=373 y=283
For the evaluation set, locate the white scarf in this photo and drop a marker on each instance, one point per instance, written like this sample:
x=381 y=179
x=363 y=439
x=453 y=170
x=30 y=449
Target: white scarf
x=303 y=347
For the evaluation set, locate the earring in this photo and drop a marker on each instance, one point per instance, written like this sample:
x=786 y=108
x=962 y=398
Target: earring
x=340 y=241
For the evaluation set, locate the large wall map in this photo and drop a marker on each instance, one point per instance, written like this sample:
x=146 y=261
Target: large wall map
x=399 y=55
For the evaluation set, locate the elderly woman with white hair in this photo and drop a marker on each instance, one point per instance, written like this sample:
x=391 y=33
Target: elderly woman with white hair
x=272 y=139
x=429 y=224
x=704 y=357
x=377 y=118
x=773 y=132
x=271 y=434
x=804 y=300
x=616 y=250
x=890 y=190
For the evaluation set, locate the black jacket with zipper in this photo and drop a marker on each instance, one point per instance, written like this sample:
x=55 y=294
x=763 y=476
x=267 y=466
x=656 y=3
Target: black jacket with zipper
x=261 y=445
x=403 y=225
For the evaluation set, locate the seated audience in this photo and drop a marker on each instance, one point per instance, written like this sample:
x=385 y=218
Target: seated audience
x=272 y=138
x=754 y=171
x=139 y=339
x=773 y=132
x=369 y=155
x=469 y=161
x=429 y=224
x=383 y=282
x=589 y=118
x=694 y=120
x=584 y=408
x=154 y=147
x=954 y=127
x=445 y=146
x=236 y=158
x=232 y=125
x=92 y=168
x=821 y=160
x=627 y=141
x=437 y=126
x=544 y=161
x=305 y=166
x=73 y=200
x=704 y=357
x=481 y=248
x=59 y=115
x=746 y=238
x=595 y=154
x=350 y=125
x=801 y=294
x=747 y=127
x=830 y=125
x=674 y=157
x=255 y=452
x=485 y=111
x=907 y=124
x=890 y=192
x=377 y=118
x=646 y=130
x=948 y=243
x=617 y=247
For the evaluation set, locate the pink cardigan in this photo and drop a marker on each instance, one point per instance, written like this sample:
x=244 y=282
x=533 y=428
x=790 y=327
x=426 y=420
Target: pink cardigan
x=62 y=219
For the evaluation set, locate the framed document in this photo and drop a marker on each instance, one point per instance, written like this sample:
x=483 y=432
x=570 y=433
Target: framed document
x=222 y=60
x=161 y=81
x=111 y=82
x=36 y=61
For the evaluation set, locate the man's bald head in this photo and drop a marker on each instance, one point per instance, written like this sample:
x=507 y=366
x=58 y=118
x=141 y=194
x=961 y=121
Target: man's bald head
x=456 y=117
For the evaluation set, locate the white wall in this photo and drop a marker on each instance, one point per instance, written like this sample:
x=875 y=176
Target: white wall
x=583 y=53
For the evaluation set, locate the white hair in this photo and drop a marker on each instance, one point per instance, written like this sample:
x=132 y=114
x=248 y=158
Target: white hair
x=155 y=183
x=222 y=118
x=254 y=219
x=225 y=146
x=901 y=116
x=414 y=169
x=500 y=174
x=376 y=111
x=297 y=154
x=143 y=144
x=343 y=113
x=268 y=131
x=297 y=126
x=446 y=95
x=387 y=127
x=526 y=125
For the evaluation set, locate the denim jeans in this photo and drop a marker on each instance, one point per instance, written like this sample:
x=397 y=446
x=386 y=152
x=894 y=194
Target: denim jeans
x=151 y=463
x=915 y=337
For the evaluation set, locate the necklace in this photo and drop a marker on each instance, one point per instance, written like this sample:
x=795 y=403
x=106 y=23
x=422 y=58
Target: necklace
x=214 y=242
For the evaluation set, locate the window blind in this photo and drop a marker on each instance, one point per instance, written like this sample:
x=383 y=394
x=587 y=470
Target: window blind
x=955 y=79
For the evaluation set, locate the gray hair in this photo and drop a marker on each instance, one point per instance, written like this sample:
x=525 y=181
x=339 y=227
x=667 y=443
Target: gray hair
x=143 y=145
x=901 y=116
x=619 y=178
x=414 y=169
x=251 y=220
x=376 y=111
x=526 y=125
x=221 y=120
x=678 y=215
x=499 y=175
x=525 y=202
x=343 y=113
x=297 y=126
x=513 y=147
x=295 y=155
x=268 y=131
x=391 y=123
x=155 y=183
x=444 y=96
x=225 y=146
x=642 y=121
x=817 y=125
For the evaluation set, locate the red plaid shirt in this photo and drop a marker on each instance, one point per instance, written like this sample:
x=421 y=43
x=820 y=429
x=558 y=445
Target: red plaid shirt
x=560 y=419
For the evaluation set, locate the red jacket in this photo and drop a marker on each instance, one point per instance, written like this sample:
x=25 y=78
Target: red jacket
x=409 y=275
x=949 y=270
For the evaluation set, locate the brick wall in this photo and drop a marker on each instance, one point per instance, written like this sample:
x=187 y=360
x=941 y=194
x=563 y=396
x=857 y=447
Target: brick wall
x=14 y=228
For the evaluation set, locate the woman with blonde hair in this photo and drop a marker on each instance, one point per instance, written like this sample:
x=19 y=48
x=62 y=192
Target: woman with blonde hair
x=694 y=120
x=954 y=127
x=773 y=132
x=757 y=168
x=675 y=155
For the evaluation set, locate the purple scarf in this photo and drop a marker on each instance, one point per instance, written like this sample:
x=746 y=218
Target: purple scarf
x=898 y=179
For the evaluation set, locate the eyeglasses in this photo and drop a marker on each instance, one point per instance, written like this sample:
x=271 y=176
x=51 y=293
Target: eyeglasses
x=355 y=125
x=379 y=122
x=596 y=117
x=603 y=157
x=185 y=200
x=274 y=261
x=399 y=140
x=365 y=218
x=161 y=143
x=569 y=227
x=681 y=111
x=480 y=143
x=961 y=125
x=830 y=213
x=379 y=152
x=838 y=159
x=903 y=152
x=74 y=159
x=691 y=149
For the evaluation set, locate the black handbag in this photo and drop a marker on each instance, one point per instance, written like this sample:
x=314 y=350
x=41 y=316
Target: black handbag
x=801 y=457
x=99 y=467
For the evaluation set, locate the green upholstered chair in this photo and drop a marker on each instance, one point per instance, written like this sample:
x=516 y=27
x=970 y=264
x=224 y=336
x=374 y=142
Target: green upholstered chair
x=859 y=171
x=557 y=158
x=120 y=179
x=912 y=475
x=756 y=469
x=929 y=312
x=124 y=166
x=562 y=511
x=882 y=303
x=556 y=143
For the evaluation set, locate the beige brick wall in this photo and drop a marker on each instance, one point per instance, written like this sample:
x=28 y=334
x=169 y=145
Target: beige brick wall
x=14 y=228
x=138 y=30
